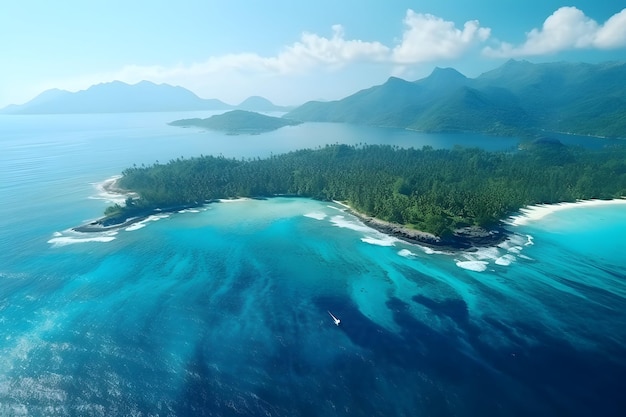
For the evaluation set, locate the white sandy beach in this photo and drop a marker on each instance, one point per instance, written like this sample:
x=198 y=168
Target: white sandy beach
x=234 y=200
x=533 y=213
x=109 y=191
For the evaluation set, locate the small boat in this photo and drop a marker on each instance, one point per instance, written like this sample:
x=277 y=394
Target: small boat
x=335 y=319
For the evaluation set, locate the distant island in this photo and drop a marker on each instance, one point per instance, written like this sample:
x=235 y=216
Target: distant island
x=119 y=97
x=257 y=103
x=519 y=98
x=453 y=198
x=238 y=122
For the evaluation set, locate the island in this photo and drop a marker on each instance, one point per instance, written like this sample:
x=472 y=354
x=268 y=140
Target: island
x=238 y=122
x=455 y=198
x=117 y=97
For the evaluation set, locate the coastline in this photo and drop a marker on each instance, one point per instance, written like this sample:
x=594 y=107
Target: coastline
x=110 y=188
x=101 y=225
x=461 y=239
x=467 y=238
x=539 y=211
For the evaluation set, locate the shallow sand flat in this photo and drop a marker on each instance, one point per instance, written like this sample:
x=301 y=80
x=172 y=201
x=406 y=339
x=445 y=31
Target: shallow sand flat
x=537 y=212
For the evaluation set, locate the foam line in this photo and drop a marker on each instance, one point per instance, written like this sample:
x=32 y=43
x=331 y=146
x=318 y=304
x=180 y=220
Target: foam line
x=505 y=260
x=477 y=266
x=67 y=240
x=371 y=236
x=233 y=200
x=386 y=241
x=144 y=223
x=104 y=191
x=406 y=253
x=357 y=226
x=316 y=215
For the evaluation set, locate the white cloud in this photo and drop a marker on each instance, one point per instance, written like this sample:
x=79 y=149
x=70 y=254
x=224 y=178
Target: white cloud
x=232 y=71
x=429 y=38
x=567 y=28
x=613 y=33
x=313 y=50
x=310 y=52
x=426 y=38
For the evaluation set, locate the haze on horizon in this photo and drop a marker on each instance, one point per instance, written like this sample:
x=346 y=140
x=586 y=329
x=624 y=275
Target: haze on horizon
x=290 y=52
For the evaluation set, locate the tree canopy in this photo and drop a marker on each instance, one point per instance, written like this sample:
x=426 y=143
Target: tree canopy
x=431 y=190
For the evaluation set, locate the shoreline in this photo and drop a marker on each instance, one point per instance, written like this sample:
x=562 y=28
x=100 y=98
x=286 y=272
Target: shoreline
x=537 y=212
x=110 y=187
x=462 y=239
x=466 y=238
x=108 y=223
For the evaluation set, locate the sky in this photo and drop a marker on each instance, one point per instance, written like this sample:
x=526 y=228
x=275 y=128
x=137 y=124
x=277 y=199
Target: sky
x=289 y=51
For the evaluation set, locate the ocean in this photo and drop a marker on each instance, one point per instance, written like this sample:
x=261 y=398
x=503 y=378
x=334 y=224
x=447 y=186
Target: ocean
x=224 y=310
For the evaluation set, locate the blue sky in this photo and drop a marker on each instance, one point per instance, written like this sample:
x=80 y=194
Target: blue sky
x=288 y=51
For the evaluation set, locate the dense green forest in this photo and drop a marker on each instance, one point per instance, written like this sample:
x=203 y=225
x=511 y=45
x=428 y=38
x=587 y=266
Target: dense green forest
x=431 y=190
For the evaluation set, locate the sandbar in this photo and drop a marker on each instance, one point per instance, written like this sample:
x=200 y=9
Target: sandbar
x=539 y=211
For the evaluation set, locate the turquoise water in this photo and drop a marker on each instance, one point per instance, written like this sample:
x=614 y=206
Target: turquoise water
x=224 y=310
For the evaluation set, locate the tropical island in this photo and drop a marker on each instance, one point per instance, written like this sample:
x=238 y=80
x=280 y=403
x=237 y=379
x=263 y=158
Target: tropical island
x=238 y=122
x=446 y=197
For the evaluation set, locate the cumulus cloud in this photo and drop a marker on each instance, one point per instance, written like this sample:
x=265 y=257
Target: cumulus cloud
x=567 y=28
x=613 y=33
x=336 y=51
x=310 y=51
x=425 y=38
x=429 y=38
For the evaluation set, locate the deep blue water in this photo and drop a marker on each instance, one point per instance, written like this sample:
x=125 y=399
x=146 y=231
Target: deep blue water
x=224 y=311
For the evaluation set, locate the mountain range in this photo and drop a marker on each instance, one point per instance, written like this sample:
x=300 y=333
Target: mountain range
x=518 y=97
x=119 y=97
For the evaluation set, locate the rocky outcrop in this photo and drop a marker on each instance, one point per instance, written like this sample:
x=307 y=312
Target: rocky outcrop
x=463 y=238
